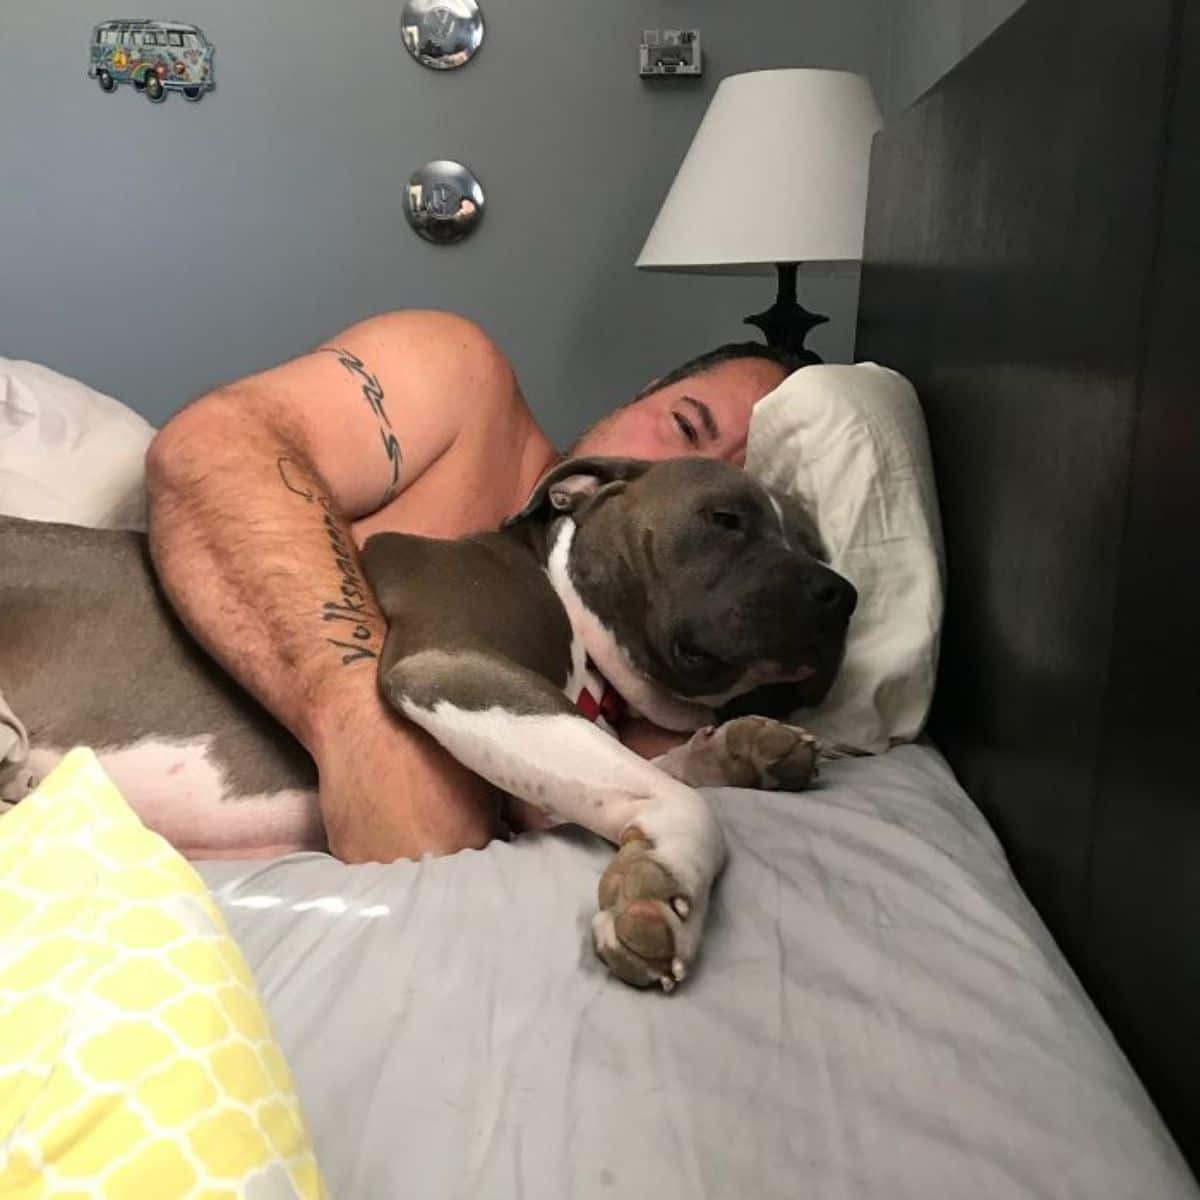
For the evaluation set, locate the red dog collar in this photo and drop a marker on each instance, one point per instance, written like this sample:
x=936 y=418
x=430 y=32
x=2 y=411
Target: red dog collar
x=608 y=708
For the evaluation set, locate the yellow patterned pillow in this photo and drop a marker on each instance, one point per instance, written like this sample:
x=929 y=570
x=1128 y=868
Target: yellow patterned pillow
x=136 y=1062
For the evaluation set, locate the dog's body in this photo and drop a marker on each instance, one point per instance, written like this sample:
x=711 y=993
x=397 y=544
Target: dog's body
x=684 y=583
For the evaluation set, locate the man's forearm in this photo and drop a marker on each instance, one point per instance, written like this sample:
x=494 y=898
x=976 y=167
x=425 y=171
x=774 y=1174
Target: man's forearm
x=262 y=568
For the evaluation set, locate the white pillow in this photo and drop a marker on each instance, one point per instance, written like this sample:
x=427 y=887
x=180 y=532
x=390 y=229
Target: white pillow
x=850 y=443
x=68 y=453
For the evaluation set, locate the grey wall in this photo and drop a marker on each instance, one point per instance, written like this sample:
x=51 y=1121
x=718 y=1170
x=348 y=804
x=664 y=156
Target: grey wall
x=927 y=37
x=157 y=250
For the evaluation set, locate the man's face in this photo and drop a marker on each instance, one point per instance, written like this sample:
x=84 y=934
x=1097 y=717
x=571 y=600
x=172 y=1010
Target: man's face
x=706 y=415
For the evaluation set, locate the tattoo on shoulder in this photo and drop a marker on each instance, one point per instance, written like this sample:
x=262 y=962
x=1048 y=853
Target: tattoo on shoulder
x=373 y=394
x=350 y=613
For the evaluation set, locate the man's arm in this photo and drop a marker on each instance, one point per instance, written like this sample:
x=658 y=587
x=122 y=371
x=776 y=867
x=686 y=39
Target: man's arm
x=252 y=491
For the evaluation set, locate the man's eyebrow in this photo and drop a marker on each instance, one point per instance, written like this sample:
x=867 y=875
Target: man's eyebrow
x=706 y=418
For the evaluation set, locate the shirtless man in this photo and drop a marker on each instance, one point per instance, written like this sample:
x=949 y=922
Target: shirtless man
x=410 y=421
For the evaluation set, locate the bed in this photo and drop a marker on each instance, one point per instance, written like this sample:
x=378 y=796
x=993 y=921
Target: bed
x=914 y=972
x=880 y=1013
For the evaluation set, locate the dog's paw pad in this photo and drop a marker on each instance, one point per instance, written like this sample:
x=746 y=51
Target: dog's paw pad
x=760 y=752
x=643 y=928
x=638 y=930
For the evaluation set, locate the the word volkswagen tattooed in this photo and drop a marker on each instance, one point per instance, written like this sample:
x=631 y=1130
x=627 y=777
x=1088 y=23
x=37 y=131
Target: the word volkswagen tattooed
x=351 y=608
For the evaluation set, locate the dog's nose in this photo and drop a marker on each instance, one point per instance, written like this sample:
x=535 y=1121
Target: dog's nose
x=831 y=593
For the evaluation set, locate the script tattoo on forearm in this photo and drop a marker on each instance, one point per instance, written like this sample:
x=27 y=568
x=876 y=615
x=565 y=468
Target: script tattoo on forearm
x=350 y=609
x=373 y=394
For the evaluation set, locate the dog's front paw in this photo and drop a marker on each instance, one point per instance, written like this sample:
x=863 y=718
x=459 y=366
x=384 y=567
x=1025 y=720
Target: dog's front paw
x=754 y=752
x=648 y=927
x=762 y=753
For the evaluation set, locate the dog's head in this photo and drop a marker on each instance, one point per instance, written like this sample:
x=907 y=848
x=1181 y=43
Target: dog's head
x=712 y=585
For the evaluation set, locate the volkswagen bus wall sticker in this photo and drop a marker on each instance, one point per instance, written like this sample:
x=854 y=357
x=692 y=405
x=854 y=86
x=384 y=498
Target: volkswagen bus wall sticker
x=156 y=57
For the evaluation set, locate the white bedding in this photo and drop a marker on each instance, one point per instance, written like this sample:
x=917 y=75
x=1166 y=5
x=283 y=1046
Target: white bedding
x=878 y=1013
x=67 y=452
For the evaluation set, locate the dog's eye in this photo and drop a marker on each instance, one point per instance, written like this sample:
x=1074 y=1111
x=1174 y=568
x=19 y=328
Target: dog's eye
x=724 y=519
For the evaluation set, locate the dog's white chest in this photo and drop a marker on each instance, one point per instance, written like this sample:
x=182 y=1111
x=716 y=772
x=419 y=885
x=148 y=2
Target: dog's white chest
x=593 y=642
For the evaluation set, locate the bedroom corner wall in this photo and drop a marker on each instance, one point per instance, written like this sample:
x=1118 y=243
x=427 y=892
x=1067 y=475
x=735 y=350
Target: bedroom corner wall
x=158 y=250
x=927 y=37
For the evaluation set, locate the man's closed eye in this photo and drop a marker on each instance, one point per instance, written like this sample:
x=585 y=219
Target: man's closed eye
x=687 y=429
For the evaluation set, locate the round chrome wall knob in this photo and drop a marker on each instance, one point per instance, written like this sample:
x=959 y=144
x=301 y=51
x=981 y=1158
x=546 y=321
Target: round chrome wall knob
x=443 y=201
x=442 y=34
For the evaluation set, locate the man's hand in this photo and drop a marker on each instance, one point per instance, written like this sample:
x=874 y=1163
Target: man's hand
x=388 y=791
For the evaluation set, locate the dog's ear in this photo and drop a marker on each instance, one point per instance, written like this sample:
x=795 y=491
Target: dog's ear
x=576 y=483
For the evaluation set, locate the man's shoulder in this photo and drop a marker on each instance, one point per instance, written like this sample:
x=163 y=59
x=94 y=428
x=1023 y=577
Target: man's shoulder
x=473 y=487
x=494 y=456
x=439 y=336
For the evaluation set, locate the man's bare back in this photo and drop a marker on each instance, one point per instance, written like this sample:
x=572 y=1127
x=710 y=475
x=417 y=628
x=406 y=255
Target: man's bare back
x=262 y=491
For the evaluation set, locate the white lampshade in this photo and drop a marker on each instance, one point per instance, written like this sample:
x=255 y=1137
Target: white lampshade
x=776 y=173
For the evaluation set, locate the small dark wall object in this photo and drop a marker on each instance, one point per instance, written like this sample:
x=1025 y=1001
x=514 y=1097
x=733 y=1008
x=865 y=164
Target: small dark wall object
x=670 y=53
x=156 y=57
x=786 y=324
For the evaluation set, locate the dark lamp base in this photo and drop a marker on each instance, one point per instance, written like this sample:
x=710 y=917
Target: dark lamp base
x=786 y=324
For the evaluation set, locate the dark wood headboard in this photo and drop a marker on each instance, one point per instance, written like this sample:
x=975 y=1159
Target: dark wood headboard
x=1032 y=265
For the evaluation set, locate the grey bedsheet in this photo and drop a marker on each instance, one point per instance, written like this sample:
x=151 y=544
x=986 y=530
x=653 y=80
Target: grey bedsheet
x=878 y=1013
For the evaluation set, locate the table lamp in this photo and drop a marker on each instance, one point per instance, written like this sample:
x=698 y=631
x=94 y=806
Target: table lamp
x=774 y=180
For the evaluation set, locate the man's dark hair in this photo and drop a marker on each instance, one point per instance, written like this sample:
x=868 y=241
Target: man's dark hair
x=730 y=352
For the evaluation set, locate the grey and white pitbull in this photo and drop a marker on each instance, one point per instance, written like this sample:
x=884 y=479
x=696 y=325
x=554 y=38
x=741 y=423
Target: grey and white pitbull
x=685 y=584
